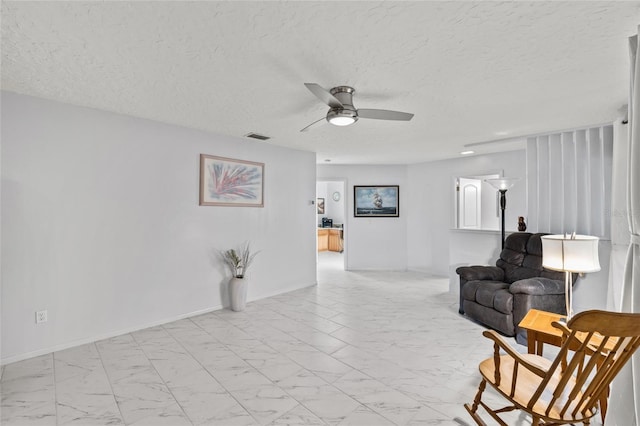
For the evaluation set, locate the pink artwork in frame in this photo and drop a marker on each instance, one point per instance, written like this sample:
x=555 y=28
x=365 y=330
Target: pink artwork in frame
x=231 y=182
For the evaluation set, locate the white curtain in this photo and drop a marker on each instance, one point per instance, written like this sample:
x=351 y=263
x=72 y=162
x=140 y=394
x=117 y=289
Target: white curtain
x=619 y=216
x=569 y=181
x=625 y=393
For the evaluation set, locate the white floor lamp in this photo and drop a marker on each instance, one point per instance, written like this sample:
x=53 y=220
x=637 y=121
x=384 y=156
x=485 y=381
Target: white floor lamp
x=570 y=254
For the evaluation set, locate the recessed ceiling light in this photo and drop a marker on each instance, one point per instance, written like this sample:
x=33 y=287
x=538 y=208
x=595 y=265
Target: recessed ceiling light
x=466 y=152
x=502 y=133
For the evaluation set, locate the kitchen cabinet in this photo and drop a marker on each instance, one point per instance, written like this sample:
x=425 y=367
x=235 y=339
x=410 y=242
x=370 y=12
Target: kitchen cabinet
x=335 y=240
x=323 y=239
x=330 y=239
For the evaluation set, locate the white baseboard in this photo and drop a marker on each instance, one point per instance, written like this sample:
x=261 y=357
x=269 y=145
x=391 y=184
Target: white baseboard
x=377 y=269
x=91 y=339
x=281 y=291
x=427 y=271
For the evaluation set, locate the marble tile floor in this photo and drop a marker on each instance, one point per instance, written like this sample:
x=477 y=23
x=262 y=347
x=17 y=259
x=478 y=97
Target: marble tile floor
x=361 y=348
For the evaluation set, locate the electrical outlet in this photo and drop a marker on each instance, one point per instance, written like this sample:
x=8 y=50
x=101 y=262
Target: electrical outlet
x=41 y=316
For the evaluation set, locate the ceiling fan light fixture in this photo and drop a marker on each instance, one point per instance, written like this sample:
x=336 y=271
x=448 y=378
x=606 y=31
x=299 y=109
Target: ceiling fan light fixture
x=342 y=121
x=342 y=117
x=342 y=112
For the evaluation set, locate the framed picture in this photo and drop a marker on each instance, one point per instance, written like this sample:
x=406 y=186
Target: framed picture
x=320 y=204
x=230 y=182
x=376 y=201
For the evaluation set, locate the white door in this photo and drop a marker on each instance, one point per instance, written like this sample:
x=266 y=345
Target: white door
x=469 y=202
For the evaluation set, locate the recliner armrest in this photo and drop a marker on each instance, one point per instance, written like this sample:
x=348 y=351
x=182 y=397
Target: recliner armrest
x=469 y=273
x=537 y=286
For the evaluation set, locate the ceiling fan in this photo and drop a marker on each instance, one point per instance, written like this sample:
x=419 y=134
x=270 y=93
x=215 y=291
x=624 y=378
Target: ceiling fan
x=341 y=110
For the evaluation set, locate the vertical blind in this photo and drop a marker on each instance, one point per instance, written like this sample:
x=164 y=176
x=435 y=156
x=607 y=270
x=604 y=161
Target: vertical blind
x=569 y=182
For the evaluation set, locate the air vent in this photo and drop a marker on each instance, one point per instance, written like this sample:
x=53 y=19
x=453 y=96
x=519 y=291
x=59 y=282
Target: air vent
x=257 y=136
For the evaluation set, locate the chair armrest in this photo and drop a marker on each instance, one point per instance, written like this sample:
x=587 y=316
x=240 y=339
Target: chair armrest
x=470 y=273
x=500 y=343
x=537 y=286
x=562 y=327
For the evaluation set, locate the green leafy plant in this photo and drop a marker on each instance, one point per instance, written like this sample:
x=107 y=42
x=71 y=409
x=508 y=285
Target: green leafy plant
x=238 y=260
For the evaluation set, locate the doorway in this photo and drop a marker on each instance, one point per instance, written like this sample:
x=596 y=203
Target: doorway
x=331 y=202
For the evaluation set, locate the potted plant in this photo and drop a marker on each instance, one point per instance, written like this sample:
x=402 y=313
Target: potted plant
x=238 y=261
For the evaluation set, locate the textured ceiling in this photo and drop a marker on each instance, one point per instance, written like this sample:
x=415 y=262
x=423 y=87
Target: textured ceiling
x=469 y=71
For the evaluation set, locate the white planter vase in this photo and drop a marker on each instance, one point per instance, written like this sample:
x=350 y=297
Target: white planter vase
x=238 y=293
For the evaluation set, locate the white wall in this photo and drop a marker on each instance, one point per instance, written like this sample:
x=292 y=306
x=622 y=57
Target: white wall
x=101 y=224
x=321 y=192
x=335 y=209
x=372 y=243
x=432 y=208
x=332 y=209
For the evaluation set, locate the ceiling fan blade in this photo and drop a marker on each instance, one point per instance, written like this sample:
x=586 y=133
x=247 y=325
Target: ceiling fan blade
x=324 y=96
x=383 y=114
x=313 y=124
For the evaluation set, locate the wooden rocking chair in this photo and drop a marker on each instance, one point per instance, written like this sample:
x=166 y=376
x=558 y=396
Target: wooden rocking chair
x=568 y=389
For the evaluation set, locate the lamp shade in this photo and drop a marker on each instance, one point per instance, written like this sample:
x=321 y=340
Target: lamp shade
x=502 y=183
x=570 y=254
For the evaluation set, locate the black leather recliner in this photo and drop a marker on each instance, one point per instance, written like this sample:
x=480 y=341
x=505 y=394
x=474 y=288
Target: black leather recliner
x=500 y=296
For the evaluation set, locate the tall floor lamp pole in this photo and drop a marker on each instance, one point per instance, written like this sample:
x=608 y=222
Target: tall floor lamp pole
x=503 y=206
x=502 y=185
